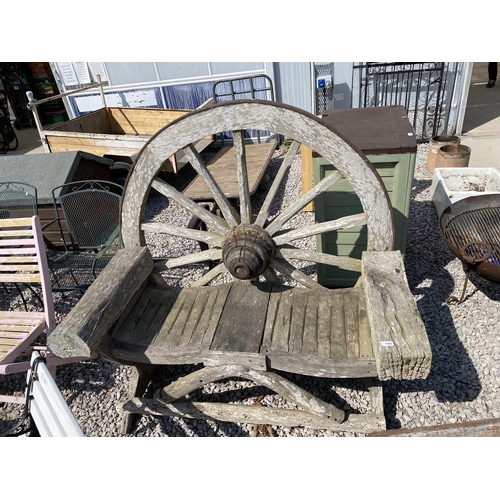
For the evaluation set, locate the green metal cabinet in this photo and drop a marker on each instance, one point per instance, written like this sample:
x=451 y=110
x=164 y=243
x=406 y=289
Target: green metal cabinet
x=385 y=136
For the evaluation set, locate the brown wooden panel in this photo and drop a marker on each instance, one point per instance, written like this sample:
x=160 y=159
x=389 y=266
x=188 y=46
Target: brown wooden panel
x=96 y=122
x=223 y=169
x=307 y=174
x=141 y=121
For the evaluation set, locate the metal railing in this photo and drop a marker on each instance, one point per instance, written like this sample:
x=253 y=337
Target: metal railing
x=425 y=89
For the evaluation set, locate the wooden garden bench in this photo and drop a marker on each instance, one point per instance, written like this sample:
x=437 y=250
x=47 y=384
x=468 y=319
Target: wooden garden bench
x=252 y=326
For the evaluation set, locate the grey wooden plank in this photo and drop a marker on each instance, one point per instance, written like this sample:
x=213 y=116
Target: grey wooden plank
x=194 y=316
x=281 y=331
x=311 y=325
x=148 y=323
x=246 y=305
x=351 y=326
x=338 y=336
x=218 y=307
x=324 y=325
x=272 y=310
x=297 y=324
x=322 y=367
x=178 y=317
x=256 y=361
x=365 y=340
x=210 y=294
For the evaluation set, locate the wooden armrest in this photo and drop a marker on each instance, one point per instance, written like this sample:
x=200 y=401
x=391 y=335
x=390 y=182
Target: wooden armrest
x=83 y=329
x=400 y=344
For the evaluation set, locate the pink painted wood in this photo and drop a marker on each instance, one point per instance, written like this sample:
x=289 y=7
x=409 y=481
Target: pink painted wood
x=23 y=260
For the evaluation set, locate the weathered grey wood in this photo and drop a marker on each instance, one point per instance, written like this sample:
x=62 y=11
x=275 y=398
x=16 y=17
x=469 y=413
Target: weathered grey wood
x=310 y=334
x=139 y=380
x=273 y=381
x=89 y=321
x=324 y=325
x=477 y=428
x=399 y=338
x=297 y=322
x=254 y=360
x=148 y=315
x=171 y=332
x=282 y=119
x=282 y=266
x=253 y=414
x=209 y=237
x=376 y=396
x=212 y=221
x=322 y=258
x=275 y=186
x=194 y=258
x=242 y=174
x=229 y=212
x=211 y=275
x=223 y=169
x=304 y=200
x=321 y=367
x=319 y=228
x=312 y=331
x=246 y=305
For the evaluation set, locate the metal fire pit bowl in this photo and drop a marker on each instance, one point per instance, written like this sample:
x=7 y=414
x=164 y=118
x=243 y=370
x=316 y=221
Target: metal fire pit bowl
x=471 y=230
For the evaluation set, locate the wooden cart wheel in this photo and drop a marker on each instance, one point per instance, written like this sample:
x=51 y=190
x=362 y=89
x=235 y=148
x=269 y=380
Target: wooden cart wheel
x=252 y=245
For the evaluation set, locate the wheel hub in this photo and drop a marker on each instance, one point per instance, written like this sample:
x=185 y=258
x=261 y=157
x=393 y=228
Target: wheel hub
x=247 y=251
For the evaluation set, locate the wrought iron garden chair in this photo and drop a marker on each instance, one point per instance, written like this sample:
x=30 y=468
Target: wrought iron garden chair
x=87 y=215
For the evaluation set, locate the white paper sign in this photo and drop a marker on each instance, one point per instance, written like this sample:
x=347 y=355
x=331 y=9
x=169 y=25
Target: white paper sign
x=386 y=343
x=67 y=73
x=82 y=72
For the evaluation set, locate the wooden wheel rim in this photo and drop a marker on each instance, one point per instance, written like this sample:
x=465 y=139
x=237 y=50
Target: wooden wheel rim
x=260 y=115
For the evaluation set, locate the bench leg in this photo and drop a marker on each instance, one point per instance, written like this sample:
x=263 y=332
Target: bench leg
x=139 y=380
x=376 y=396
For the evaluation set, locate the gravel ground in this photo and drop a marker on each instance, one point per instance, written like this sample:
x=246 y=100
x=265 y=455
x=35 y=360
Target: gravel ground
x=463 y=384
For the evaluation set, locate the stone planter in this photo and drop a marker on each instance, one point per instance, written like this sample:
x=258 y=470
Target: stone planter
x=452 y=184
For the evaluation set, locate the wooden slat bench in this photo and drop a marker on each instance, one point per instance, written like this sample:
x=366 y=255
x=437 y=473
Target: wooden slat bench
x=252 y=326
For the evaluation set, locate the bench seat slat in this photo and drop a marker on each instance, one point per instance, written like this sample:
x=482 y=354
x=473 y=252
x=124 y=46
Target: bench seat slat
x=282 y=324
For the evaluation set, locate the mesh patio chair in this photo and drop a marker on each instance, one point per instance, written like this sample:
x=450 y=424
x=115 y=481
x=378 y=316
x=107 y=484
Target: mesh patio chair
x=87 y=215
x=17 y=199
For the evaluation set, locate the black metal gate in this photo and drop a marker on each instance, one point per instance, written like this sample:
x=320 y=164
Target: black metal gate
x=425 y=89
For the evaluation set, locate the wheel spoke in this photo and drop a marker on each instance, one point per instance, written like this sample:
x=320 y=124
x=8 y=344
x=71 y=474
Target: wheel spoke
x=241 y=171
x=211 y=275
x=347 y=263
x=270 y=275
x=208 y=237
x=282 y=266
x=211 y=220
x=320 y=228
x=228 y=211
x=278 y=180
x=305 y=199
x=194 y=258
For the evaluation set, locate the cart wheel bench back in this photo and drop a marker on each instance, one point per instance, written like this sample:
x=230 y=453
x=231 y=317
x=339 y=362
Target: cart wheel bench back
x=252 y=326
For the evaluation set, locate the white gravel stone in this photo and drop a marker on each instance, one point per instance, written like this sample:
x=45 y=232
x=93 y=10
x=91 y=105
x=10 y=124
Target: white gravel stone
x=464 y=380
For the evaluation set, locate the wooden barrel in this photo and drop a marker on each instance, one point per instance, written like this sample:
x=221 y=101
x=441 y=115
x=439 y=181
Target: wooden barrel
x=453 y=155
x=435 y=143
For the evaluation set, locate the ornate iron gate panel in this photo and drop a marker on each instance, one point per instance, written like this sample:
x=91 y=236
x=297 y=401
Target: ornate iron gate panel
x=425 y=89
